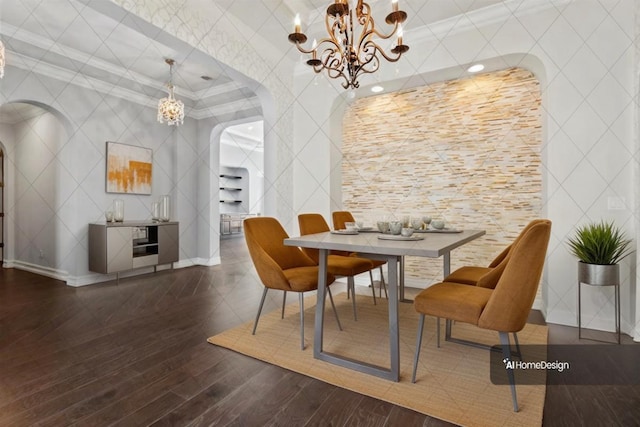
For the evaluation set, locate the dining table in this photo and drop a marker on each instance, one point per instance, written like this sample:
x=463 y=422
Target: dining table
x=376 y=245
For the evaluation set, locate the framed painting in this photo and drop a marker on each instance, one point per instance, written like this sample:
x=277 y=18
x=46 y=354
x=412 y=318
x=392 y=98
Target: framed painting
x=129 y=168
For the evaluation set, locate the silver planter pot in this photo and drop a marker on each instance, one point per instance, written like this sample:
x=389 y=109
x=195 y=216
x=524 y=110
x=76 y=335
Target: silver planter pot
x=598 y=274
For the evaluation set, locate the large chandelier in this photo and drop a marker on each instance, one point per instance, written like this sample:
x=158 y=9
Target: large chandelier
x=2 y=60
x=170 y=109
x=350 y=50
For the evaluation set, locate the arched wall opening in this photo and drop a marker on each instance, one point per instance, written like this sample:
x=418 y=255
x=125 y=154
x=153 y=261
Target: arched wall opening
x=260 y=204
x=33 y=134
x=435 y=167
x=242 y=169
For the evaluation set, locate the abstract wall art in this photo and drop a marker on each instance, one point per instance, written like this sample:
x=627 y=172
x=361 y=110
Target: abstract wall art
x=129 y=169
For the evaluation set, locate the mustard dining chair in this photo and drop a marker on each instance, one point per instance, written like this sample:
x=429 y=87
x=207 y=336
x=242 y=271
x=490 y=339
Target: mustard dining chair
x=487 y=277
x=339 y=218
x=484 y=277
x=341 y=264
x=504 y=309
x=281 y=267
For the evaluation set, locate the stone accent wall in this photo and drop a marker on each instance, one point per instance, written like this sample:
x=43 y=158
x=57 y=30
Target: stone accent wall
x=466 y=151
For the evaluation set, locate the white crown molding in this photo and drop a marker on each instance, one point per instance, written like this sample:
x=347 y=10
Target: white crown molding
x=218 y=90
x=227 y=108
x=59 y=73
x=102 y=65
x=495 y=13
x=90 y=60
x=32 y=65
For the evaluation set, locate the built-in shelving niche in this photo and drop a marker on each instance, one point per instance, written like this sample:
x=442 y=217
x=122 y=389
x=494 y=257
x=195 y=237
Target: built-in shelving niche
x=234 y=190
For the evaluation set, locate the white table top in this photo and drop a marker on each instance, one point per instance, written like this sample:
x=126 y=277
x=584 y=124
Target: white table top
x=433 y=245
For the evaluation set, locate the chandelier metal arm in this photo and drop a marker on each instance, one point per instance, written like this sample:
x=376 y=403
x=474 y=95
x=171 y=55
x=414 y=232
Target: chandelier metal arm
x=346 y=52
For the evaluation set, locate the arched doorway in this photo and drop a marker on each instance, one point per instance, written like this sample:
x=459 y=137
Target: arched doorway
x=241 y=175
x=32 y=134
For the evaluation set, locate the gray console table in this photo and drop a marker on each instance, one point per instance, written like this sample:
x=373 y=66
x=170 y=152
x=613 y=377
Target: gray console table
x=120 y=246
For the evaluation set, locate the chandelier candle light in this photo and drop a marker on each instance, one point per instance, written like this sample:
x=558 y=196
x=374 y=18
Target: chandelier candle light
x=170 y=109
x=350 y=50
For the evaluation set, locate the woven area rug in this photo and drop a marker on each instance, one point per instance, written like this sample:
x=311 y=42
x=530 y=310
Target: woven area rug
x=453 y=381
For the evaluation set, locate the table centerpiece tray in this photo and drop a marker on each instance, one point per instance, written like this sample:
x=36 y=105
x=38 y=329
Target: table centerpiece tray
x=399 y=237
x=347 y=232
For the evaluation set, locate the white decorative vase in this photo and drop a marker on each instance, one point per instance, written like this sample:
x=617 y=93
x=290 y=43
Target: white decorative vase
x=118 y=210
x=155 y=211
x=165 y=208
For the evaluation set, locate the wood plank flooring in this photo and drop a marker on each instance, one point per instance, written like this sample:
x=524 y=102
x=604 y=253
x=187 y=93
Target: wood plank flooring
x=135 y=354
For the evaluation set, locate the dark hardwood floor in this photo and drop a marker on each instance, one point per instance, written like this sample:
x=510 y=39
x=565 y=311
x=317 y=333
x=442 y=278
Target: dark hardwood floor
x=135 y=353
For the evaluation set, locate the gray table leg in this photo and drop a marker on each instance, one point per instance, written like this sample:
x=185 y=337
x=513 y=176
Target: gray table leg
x=322 y=289
x=394 y=326
x=446 y=264
x=401 y=282
x=392 y=373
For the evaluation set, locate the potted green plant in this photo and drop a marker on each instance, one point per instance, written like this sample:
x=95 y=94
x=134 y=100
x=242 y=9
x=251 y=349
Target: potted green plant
x=599 y=246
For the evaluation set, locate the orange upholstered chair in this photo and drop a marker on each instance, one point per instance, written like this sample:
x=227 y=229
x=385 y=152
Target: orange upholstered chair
x=487 y=277
x=339 y=218
x=338 y=265
x=281 y=267
x=504 y=309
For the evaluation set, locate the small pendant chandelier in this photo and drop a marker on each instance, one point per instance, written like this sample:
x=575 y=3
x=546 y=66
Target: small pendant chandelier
x=170 y=109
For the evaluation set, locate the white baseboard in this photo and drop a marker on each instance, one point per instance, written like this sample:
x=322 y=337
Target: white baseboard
x=93 y=278
x=37 y=269
x=207 y=262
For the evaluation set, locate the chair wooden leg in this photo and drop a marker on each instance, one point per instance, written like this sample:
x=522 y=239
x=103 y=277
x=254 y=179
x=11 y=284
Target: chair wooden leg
x=284 y=301
x=351 y=284
x=506 y=353
x=418 y=345
x=373 y=288
x=334 y=308
x=301 y=299
x=255 y=324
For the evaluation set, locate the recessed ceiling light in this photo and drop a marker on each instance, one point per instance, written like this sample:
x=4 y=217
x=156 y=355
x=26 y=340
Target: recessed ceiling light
x=475 y=68
x=377 y=88
x=206 y=78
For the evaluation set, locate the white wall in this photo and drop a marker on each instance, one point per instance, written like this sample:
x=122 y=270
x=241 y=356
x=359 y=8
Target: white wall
x=59 y=173
x=582 y=51
x=30 y=215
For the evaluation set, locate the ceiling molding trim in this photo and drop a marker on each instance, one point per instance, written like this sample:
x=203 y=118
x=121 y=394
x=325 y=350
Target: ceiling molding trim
x=228 y=108
x=488 y=15
x=63 y=74
x=92 y=61
x=32 y=65
x=218 y=90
